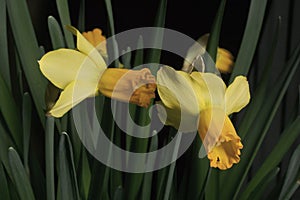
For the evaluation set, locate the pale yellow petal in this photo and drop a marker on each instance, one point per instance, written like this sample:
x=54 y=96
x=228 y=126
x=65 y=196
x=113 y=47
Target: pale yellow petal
x=211 y=90
x=198 y=48
x=61 y=66
x=237 y=95
x=87 y=48
x=177 y=94
x=73 y=94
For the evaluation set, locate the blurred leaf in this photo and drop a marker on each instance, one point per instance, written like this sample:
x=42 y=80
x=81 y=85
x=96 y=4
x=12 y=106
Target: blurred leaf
x=134 y=180
x=154 y=54
x=28 y=50
x=250 y=39
x=37 y=176
x=259 y=128
x=148 y=177
x=26 y=119
x=286 y=140
x=126 y=58
x=291 y=174
x=139 y=55
x=4 y=190
x=4 y=62
x=110 y=16
x=118 y=194
x=81 y=16
x=20 y=176
x=99 y=171
x=198 y=172
x=5 y=143
x=49 y=157
x=213 y=40
x=261 y=188
x=67 y=175
x=172 y=168
x=57 y=38
x=84 y=175
x=10 y=113
x=259 y=95
x=113 y=46
x=63 y=11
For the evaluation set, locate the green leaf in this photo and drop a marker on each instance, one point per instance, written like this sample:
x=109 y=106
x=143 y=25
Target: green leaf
x=5 y=143
x=63 y=11
x=66 y=171
x=291 y=175
x=213 y=40
x=49 y=157
x=126 y=58
x=118 y=194
x=113 y=45
x=139 y=55
x=28 y=51
x=84 y=174
x=154 y=54
x=81 y=16
x=4 y=190
x=135 y=181
x=9 y=111
x=148 y=177
x=172 y=169
x=250 y=38
x=37 y=176
x=286 y=140
x=259 y=128
x=57 y=38
x=4 y=62
x=259 y=95
x=26 y=119
x=20 y=176
x=262 y=187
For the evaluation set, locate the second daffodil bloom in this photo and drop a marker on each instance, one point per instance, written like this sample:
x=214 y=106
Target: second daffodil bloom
x=201 y=101
x=224 y=60
x=83 y=73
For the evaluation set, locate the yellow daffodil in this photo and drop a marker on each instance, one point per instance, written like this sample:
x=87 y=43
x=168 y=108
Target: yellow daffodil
x=83 y=72
x=224 y=60
x=201 y=101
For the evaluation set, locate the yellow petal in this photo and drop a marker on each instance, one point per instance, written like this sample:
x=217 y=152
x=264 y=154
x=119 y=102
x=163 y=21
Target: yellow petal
x=211 y=90
x=134 y=86
x=219 y=137
x=177 y=95
x=73 y=94
x=224 y=61
x=62 y=66
x=237 y=95
x=87 y=48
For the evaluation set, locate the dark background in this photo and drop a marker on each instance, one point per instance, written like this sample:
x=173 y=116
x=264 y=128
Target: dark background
x=194 y=18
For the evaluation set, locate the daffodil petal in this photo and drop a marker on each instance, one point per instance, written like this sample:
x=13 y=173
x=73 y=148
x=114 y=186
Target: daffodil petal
x=198 y=48
x=212 y=90
x=177 y=94
x=62 y=66
x=73 y=94
x=237 y=95
x=87 y=48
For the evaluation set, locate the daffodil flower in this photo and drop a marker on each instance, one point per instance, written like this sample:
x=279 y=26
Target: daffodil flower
x=82 y=73
x=224 y=60
x=201 y=101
